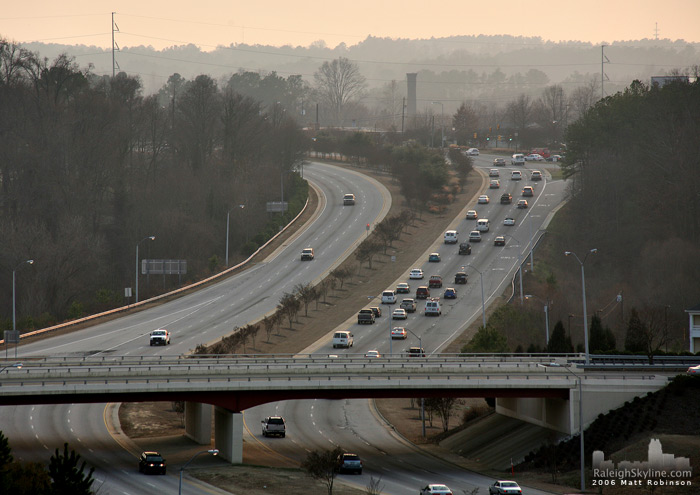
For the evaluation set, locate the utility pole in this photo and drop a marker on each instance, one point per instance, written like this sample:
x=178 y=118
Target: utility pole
x=603 y=60
x=115 y=47
x=403 y=113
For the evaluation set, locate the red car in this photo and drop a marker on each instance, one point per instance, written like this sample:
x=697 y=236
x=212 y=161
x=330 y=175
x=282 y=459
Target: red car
x=435 y=281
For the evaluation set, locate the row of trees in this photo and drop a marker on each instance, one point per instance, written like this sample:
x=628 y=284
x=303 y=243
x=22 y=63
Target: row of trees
x=293 y=303
x=89 y=167
x=65 y=474
x=646 y=334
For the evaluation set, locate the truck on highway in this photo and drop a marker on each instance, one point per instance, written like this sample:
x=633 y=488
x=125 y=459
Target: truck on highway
x=273 y=426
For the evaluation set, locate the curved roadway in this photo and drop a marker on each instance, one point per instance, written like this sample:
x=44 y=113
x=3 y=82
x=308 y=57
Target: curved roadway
x=214 y=311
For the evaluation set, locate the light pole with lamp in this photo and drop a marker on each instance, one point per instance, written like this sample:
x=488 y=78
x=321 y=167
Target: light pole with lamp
x=210 y=451
x=14 y=319
x=153 y=238
x=583 y=291
x=442 y=122
x=520 y=264
x=14 y=365
x=580 y=419
x=483 y=303
x=422 y=399
x=228 y=214
x=546 y=315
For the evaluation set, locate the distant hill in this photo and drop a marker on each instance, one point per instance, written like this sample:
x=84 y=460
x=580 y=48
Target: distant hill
x=462 y=63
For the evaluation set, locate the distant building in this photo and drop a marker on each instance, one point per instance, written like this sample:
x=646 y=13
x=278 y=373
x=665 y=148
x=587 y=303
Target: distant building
x=694 y=327
x=661 y=81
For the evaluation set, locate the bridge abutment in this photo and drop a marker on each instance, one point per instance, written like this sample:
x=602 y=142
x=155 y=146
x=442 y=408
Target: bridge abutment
x=198 y=422
x=228 y=434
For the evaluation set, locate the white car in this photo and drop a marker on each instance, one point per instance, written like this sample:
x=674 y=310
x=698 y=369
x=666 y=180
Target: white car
x=433 y=489
x=416 y=273
x=373 y=354
x=399 y=333
x=534 y=157
x=483 y=199
x=474 y=236
x=473 y=152
x=516 y=175
x=399 y=314
x=694 y=370
x=494 y=172
x=472 y=215
x=388 y=297
x=505 y=488
x=509 y=222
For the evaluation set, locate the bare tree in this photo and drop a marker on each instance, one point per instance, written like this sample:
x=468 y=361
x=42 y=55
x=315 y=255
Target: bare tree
x=443 y=407
x=367 y=250
x=269 y=325
x=338 y=82
x=374 y=486
x=322 y=465
x=306 y=293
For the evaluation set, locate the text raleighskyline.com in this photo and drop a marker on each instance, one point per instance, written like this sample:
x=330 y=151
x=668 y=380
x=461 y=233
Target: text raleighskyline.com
x=657 y=466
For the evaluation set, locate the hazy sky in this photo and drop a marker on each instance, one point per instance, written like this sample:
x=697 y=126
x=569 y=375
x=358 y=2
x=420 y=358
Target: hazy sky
x=208 y=23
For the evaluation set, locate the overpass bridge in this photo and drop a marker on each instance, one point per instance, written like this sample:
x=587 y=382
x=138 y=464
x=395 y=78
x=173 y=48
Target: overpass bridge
x=527 y=388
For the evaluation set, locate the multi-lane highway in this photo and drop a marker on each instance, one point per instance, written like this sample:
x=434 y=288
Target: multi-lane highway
x=35 y=431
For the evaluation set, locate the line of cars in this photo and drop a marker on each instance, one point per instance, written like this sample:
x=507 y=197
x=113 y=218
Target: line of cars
x=501 y=487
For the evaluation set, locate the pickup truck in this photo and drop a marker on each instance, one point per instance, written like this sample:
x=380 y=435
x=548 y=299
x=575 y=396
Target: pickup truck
x=435 y=281
x=365 y=316
x=160 y=337
x=409 y=305
x=273 y=426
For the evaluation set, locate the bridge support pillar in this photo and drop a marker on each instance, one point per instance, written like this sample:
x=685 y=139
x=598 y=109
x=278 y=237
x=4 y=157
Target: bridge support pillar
x=228 y=434
x=198 y=422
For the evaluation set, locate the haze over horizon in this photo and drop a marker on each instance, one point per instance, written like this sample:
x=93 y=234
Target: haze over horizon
x=161 y=24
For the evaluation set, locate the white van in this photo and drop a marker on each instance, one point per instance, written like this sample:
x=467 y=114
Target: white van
x=388 y=297
x=432 y=307
x=518 y=159
x=451 y=237
x=482 y=225
x=343 y=339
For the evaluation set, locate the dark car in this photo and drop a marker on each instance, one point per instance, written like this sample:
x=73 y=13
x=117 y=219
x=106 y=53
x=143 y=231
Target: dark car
x=461 y=278
x=499 y=241
x=151 y=462
x=506 y=199
x=435 y=281
x=377 y=311
x=416 y=352
x=450 y=293
x=422 y=292
x=349 y=463
x=465 y=248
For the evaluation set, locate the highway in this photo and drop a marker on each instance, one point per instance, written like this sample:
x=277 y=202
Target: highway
x=214 y=311
x=201 y=317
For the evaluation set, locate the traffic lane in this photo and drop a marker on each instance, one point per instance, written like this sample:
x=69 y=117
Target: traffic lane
x=216 y=310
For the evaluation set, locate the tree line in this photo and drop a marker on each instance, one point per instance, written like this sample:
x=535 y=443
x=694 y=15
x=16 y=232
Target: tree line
x=89 y=167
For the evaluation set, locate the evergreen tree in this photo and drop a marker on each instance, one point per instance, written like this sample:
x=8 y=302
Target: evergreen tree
x=69 y=478
x=487 y=340
x=635 y=340
x=559 y=342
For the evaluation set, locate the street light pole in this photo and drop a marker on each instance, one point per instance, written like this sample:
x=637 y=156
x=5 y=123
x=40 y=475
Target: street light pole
x=153 y=238
x=14 y=319
x=422 y=399
x=210 y=451
x=546 y=315
x=483 y=303
x=583 y=292
x=228 y=214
